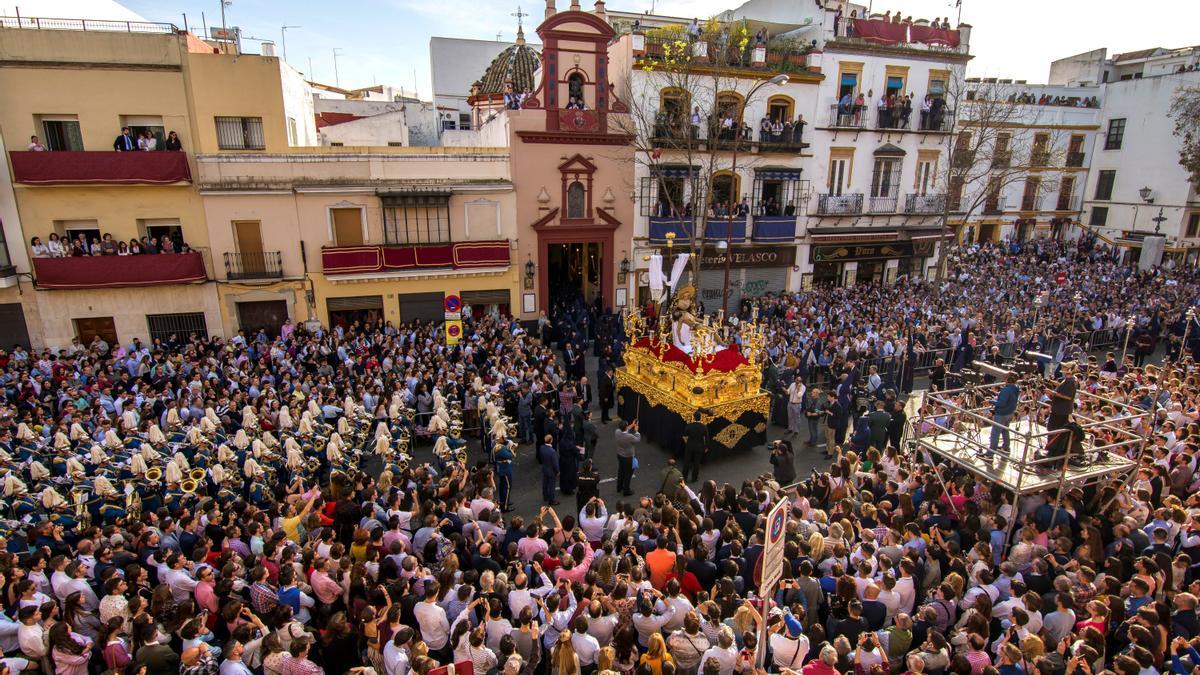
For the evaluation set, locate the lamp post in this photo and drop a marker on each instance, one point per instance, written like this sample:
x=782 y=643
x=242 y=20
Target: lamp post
x=779 y=79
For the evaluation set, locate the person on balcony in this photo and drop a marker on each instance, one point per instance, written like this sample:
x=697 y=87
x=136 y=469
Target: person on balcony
x=35 y=145
x=173 y=144
x=764 y=129
x=108 y=246
x=860 y=104
x=798 y=130
x=125 y=142
x=39 y=249
x=147 y=142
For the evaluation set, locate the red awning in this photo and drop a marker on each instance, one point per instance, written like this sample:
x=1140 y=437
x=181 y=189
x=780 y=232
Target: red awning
x=117 y=271
x=880 y=32
x=934 y=36
x=117 y=168
x=371 y=259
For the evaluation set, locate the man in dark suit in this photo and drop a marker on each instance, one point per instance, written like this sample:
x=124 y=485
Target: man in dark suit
x=125 y=142
x=695 y=446
x=583 y=393
x=608 y=388
x=548 y=458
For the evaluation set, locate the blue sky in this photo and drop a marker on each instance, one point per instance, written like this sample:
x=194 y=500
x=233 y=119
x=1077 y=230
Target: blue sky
x=385 y=41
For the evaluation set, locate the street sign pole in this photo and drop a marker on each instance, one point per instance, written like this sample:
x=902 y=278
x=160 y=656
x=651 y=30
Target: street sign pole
x=771 y=563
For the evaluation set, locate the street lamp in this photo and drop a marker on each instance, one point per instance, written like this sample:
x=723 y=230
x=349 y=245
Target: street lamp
x=530 y=268
x=778 y=80
x=625 y=267
x=1145 y=194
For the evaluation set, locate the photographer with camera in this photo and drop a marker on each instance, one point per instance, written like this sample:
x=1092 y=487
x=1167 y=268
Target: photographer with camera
x=783 y=462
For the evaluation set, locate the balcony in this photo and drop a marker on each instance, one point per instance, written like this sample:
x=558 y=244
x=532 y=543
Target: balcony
x=882 y=204
x=839 y=205
x=924 y=204
x=1001 y=159
x=1032 y=202
x=711 y=52
x=262 y=265
x=1039 y=158
x=935 y=120
x=878 y=33
x=774 y=229
x=100 y=168
x=1075 y=159
x=962 y=159
x=389 y=258
x=119 y=272
x=995 y=205
x=847 y=118
x=1068 y=202
x=716 y=228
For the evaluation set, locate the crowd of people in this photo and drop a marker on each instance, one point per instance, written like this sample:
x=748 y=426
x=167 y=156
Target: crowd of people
x=82 y=245
x=259 y=504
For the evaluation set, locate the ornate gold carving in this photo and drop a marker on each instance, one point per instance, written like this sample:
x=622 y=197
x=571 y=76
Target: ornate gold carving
x=730 y=435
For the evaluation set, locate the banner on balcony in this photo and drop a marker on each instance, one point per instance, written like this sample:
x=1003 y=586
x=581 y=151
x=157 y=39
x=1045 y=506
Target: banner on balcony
x=369 y=259
x=880 y=32
x=114 y=272
x=934 y=36
x=117 y=168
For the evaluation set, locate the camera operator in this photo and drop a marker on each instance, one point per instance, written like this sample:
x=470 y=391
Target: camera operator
x=783 y=463
x=1062 y=398
x=1003 y=409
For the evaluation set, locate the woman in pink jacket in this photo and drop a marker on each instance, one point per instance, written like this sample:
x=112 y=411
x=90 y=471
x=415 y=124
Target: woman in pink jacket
x=69 y=651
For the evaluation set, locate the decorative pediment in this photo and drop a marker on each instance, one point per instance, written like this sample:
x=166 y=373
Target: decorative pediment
x=577 y=164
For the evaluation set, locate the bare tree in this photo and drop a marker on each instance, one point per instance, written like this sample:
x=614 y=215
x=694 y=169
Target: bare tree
x=687 y=118
x=1185 y=111
x=995 y=142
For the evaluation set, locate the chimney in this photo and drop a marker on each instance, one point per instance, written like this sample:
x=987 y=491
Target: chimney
x=599 y=11
x=549 y=8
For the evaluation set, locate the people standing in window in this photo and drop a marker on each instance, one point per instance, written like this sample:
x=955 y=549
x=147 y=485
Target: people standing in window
x=173 y=144
x=58 y=248
x=147 y=142
x=125 y=142
x=108 y=246
x=35 y=145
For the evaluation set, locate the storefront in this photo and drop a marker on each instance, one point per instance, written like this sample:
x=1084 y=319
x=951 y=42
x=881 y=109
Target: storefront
x=848 y=262
x=754 y=271
x=364 y=309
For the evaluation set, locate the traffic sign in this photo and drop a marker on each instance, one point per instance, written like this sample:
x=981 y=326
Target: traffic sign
x=453 y=332
x=453 y=303
x=772 y=554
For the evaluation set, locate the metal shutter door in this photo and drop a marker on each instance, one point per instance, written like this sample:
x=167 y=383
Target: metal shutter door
x=355 y=302
x=750 y=282
x=421 y=307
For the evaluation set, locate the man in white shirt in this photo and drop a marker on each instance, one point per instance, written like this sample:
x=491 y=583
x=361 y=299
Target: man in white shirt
x=795 y=408
x=178 y=578
x=77 y=583
x=435 y=626
x=789 y=644
x=395 y=652
x=586 y=647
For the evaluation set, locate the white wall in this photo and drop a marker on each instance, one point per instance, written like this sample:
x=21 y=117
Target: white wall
x=1149 y=156
x=13 y=235
x=298 y=105
x=378 y=130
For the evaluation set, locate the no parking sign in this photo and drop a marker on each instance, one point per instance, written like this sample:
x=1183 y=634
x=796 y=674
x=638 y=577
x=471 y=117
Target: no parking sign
x=453 y=331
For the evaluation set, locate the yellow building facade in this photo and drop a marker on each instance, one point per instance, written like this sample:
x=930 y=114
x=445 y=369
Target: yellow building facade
x=360 y=234
x=74 y=90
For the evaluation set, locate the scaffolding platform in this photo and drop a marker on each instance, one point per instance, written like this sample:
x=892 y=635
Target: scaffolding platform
x=956 y=426
x=1012 y=471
